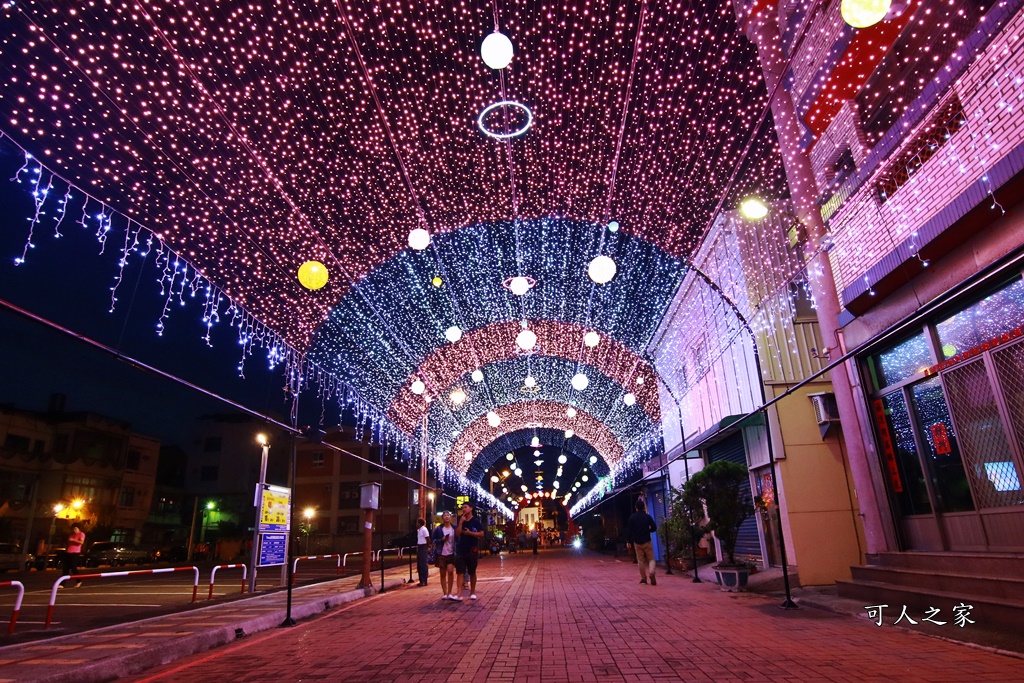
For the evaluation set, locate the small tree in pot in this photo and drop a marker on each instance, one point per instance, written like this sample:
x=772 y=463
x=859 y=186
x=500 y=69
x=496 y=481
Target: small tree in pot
x=718 y=488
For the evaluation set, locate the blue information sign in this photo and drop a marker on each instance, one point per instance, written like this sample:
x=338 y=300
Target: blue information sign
x=273 y=548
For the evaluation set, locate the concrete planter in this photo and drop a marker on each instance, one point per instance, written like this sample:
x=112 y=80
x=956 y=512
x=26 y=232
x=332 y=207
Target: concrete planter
x=732 y=578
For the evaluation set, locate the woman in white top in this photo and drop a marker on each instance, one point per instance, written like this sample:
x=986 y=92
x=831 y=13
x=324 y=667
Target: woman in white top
x=444 y=540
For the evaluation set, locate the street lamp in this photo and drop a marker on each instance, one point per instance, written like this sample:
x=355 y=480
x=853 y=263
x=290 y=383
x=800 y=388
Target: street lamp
x=261 y=439
x=209 y=507
x=308 y=515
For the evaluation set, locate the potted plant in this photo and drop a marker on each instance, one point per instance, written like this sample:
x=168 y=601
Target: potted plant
x=684 y=528
x=718 y=488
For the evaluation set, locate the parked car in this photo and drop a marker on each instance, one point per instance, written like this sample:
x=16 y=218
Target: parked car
x=10 y=558
x=115 y=554
x=50 y=560
x=406 y=541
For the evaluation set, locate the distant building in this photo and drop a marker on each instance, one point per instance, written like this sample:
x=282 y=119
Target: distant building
x=58 y=468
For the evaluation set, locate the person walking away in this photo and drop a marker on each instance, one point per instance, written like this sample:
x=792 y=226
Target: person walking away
x=638 y=535
x=422 y=546
x=469 y=532
x=535 y=539
x=76 y=539
x=444 y=539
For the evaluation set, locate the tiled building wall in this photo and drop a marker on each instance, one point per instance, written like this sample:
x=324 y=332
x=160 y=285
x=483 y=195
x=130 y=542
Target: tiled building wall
x=865 y=228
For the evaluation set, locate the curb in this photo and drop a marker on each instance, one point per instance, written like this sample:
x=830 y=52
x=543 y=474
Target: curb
x=138 y=661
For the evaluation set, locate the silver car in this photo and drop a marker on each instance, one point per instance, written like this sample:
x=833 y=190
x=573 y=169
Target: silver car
x=10 y=558
x=116 y=554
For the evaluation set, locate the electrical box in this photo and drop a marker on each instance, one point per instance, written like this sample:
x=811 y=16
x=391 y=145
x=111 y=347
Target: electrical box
x=369 y=496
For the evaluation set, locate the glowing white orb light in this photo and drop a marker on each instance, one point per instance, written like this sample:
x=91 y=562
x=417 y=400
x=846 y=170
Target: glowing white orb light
x=753 y=209
x=601 y=270
x=580 y=381
x=562 y=459
x=864 y=13
x=593 y=459
x=419 y=239
x=519 y=285
x=570 y=412
x=458 y=397
x=468 y=456
x=519 y=472
x=493 y=418
x=629 y=399
x=497 y=51
x=510 y=457
x=613 y=226
x=526 y=340
x=535 y=441
x=453 y=334
x=584 y=478
x=530 y=381
x=591 y=339
x=478 y=375
x=569 y=434
x=418 y=387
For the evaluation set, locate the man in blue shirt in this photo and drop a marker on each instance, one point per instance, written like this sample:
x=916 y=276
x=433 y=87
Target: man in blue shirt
x=469 y=532
x=638 y=536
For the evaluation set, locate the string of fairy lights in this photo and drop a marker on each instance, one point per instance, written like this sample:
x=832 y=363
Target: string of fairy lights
x=448 y=204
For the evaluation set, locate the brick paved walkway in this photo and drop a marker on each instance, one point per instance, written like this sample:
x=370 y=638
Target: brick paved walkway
x=562 y=616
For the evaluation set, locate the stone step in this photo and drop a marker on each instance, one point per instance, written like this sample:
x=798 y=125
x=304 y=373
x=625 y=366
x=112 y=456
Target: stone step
x=947 y=582
x=976 y=564
x=986 y=612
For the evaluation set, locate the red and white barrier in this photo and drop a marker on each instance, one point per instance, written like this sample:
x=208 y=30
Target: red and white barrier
x=344 y=558
x=213 y=574
x=17 y=602
x=109 y=575
x=389 y=550
x=295 y=565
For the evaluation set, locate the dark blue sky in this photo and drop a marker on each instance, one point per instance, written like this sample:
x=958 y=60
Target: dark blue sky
x=66 y=281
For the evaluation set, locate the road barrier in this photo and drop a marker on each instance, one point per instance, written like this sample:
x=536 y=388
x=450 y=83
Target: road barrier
x=17 y=602
x=295 y=565
x=110 y=575
x=226 y=566
x=401 y=551
x=389 y=550
x=344 y=558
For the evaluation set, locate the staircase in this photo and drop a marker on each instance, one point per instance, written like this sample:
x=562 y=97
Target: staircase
x=992 y=583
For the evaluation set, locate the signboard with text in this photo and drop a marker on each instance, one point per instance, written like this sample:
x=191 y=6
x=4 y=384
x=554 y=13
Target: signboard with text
x=275 y=505
x=273 y=549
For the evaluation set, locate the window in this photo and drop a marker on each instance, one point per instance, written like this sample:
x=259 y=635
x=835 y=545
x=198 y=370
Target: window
x=84 y=488
x=994 y=315
x=209 y=473
x=348 y=495
x=348 y=525
x=133 y=460
x=212 y=444
x=120 y=536
x=127 y=498
x=899 y=363
x=318 y=459
x=166 y=505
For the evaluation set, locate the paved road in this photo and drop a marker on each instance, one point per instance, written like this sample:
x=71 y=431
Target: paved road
x=563 y=616
x=101 y=602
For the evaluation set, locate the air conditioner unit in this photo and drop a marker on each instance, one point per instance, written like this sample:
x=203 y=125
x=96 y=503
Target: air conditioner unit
x=825 y=410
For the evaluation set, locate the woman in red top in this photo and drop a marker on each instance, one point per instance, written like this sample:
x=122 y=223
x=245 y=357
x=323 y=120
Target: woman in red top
x=76 y=539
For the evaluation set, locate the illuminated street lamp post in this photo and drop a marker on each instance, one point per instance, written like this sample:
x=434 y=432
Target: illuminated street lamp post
x=308 y=515
x=210 y=507
x=261 y=439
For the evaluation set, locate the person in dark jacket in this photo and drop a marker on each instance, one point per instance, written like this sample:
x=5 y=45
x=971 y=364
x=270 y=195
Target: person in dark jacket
x=638 y=536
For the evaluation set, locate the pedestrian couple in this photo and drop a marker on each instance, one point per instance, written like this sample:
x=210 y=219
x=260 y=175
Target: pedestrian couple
x=458 y=551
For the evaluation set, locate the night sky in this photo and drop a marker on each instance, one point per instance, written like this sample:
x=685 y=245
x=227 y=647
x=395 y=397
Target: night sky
x=68 y=282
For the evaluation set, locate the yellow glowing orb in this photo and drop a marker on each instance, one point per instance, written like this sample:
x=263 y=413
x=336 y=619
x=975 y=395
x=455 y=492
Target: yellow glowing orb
x=864 y=13
x=437 y=282
x=313 y=275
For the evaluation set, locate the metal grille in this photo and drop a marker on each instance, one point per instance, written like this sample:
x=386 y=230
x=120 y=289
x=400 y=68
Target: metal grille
x=983 y=441
x=1010 y=370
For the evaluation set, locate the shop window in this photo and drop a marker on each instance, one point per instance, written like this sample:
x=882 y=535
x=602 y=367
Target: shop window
x=984 y=321
x=899 y=363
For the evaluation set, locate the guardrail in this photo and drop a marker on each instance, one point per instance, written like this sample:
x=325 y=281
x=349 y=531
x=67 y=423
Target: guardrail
x=388 y=550
x=401 y=551
x=109 y=575
x=295 y=565
x=17 y=602
x=226 y=566
x=344 y=558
